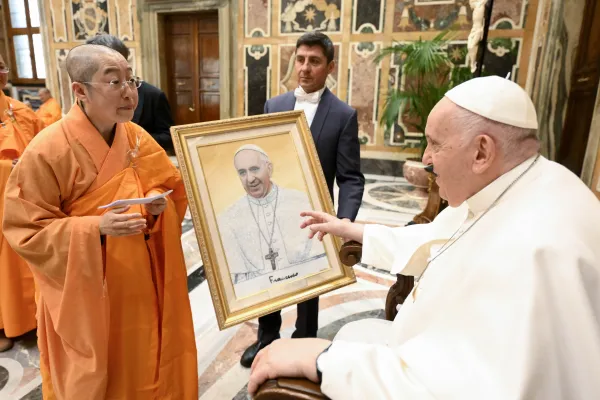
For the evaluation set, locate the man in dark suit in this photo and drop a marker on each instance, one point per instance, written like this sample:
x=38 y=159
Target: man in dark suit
x=334 y=128
x=153 y=112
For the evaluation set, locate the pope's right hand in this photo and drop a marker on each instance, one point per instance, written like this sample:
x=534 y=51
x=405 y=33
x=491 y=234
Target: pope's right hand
x=321 y=224
x=115 y=223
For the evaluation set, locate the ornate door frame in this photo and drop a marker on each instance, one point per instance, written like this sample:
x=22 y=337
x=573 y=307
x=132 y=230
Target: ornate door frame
x=149 y=14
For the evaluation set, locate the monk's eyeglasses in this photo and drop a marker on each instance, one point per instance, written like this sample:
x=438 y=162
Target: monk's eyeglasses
x=116 y=84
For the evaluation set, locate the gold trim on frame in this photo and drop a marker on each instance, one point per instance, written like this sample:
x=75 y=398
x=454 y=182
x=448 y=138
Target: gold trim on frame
x=208 y=245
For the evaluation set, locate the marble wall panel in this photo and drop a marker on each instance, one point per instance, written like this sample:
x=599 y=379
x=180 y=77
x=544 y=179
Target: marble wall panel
x=363 y=88
x=89 y=18
x=257 y=18
x=65 y=93
x=125 y=11
x=508 y=14
x=288 y=79
x=299 y=16
x=367 y=16
x=58 y=20
x=423 y=15
x=257 y=66
x=502 y=57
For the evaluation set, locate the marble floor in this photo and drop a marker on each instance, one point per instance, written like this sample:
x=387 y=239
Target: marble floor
x=387 y=200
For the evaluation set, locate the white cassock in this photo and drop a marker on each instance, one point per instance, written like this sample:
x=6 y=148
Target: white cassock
x=511 y=310
x=251 y=227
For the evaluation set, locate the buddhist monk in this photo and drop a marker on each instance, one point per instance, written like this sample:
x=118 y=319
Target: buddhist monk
x=114 y=319
x=50 y=110
x=17 y=302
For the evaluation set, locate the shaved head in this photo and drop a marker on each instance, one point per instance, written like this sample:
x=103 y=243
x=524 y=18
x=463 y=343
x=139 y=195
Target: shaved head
x=44 y=94
x=84 y=61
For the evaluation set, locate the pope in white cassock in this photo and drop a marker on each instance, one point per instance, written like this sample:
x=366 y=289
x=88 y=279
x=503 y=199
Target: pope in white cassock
x=508 y=301
x=261 y=231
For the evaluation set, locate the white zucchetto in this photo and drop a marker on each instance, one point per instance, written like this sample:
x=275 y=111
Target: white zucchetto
x=496 y=98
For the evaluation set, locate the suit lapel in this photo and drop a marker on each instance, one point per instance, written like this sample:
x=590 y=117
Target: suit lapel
x=137 y=114
x=321 y=115
x=289 y=102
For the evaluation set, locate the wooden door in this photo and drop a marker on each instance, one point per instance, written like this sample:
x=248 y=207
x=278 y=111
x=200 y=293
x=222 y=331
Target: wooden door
x=192 y=46
x=584 y=87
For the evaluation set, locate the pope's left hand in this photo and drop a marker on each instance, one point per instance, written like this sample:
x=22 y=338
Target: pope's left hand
x=157 y=206
x=288 y=358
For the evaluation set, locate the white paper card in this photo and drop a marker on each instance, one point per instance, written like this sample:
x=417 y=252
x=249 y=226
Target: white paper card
x=141 y=200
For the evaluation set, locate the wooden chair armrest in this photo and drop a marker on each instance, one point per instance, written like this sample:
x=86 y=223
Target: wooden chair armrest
x=351 y=253
x=289 y=389
x=398 y=292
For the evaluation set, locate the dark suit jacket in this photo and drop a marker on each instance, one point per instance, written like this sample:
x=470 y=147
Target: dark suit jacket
x=335 y=133
x=153 y=113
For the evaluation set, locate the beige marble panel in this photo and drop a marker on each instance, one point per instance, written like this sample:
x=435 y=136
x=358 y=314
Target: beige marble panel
x=58 y=22
x=363 y=88
x=125 y=13
x=258 y=21
x=64 y=83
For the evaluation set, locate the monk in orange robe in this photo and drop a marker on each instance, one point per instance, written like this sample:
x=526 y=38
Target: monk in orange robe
x=114 y=318
x=18 y=126
x=50 y=110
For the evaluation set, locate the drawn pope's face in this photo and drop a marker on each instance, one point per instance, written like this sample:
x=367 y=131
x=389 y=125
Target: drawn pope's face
x=254 y=171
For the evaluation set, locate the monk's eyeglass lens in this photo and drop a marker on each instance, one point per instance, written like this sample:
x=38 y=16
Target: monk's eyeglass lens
x=133 y=83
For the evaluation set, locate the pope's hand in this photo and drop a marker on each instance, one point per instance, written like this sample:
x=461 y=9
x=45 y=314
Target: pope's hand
x=289 y=358
x=157 y=206
x=321 y=224
x=115 y=223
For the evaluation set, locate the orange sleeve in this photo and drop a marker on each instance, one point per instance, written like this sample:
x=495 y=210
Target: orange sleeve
x=157 y=172
x=36 y=228
x=65 y=256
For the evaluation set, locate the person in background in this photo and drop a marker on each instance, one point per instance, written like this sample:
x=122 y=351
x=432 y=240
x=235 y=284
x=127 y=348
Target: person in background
x=153 y=112
x=50 y=110
x=334 y=127
x=19 y=124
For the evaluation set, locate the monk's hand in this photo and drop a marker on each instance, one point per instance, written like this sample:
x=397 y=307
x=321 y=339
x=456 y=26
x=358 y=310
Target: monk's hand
x=14 y=162
x=320 y=224
x=157 y=206
x=289 y=358
x=116 y=223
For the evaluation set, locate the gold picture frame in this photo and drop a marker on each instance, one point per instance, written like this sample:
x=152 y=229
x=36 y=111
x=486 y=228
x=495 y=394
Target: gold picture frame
x=237 y=214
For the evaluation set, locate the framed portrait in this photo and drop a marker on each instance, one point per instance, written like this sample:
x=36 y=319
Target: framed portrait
x=247 y=180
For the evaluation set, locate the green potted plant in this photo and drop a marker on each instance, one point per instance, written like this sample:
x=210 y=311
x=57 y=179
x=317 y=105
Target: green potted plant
x=428 y=73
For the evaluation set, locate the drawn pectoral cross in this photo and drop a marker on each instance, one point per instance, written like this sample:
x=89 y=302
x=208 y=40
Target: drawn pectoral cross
x=271 y=255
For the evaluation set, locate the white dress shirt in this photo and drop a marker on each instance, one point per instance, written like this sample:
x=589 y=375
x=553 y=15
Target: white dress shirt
x=308 y=102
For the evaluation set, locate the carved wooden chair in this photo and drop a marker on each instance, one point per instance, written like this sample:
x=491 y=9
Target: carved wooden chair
x=350 y=254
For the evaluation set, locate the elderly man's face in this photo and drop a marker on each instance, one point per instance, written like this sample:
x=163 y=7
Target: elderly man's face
x=254 y=172
x=449 y=154
x=44 y=95
x=106 y=97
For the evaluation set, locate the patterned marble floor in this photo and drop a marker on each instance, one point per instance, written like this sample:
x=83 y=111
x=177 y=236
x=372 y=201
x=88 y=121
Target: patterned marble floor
x=387 y=200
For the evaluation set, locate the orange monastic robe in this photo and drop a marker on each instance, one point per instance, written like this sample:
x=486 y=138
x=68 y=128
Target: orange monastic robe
x=17 y=292
x=114 y=318
x=50 y=111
